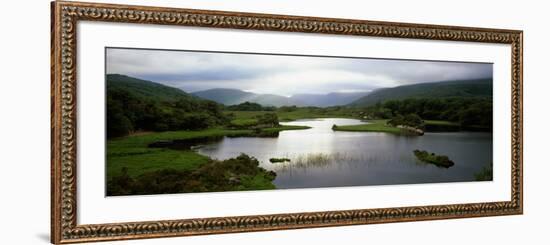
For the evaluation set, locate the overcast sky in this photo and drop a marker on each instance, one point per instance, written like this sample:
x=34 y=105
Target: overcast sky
x=282 y=74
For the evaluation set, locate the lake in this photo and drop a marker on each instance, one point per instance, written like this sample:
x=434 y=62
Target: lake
x=321 y=157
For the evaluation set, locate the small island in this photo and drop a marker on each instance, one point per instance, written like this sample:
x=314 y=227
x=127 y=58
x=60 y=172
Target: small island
x=276 y=160
x=410 y=124
x=438 y=160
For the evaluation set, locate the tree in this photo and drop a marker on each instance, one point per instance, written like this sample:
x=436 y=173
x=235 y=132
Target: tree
x=414 y=121
x=411 y=120
x=117 y=123
x=396 y=120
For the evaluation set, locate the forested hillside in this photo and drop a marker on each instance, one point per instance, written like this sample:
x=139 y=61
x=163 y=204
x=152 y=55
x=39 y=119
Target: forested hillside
x=137 y=105
x=480 y=88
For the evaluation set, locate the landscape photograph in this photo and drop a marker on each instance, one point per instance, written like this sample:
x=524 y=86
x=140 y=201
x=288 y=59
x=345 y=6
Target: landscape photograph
x=181 y=121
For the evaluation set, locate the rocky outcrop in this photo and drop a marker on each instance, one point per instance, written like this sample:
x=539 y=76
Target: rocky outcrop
x=411 y=130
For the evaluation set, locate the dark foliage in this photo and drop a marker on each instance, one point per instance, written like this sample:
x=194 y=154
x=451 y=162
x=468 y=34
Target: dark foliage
x=411 y=120
x=469 y=112
x=250 y=106
x=268 y=120
x=118 y=123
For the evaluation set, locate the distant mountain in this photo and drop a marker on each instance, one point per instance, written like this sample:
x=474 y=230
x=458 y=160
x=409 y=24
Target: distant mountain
x=234 y=96
x=223 y=95
x=159 y=92
x=275 y=100
x=144 y=88
x=330 y=99
x=462 y=88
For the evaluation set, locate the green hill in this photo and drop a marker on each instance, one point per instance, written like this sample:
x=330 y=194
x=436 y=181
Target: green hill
x=145 y=89
x=478 y=88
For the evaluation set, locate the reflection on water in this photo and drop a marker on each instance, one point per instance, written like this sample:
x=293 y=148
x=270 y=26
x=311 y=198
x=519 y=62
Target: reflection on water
x=321 y=157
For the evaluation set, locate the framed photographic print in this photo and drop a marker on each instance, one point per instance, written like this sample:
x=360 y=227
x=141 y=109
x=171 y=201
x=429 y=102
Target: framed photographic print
x=175 y=122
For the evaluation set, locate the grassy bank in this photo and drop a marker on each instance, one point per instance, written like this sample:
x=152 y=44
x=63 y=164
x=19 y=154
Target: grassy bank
x=370 y=126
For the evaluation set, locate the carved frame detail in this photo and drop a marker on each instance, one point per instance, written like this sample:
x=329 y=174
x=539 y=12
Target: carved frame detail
x=65 y=15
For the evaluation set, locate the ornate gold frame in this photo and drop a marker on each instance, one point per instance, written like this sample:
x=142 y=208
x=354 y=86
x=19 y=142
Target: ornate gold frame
x=65 y=15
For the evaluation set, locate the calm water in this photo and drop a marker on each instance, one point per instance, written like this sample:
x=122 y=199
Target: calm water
x=321 y=157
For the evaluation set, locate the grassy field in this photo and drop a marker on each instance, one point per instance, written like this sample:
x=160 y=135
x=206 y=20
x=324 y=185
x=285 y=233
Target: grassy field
x=244 y=122
x=304 y=113
x=286 y=116
x=132 y=152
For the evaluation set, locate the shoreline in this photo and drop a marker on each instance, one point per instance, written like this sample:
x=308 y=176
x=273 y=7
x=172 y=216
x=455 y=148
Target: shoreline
x=380 y=126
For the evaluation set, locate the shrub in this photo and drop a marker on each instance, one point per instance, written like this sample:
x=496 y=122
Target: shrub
x=438 y=160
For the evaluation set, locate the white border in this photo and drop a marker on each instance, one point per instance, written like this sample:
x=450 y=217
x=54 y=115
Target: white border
x=93 y=207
